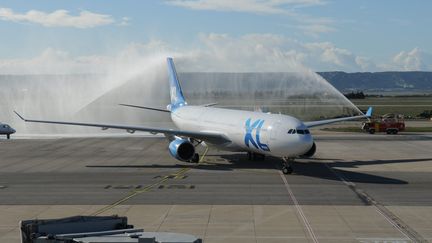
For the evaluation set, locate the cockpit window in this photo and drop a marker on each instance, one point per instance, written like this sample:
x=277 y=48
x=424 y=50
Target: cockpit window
x=5 y=126
x=299 y=131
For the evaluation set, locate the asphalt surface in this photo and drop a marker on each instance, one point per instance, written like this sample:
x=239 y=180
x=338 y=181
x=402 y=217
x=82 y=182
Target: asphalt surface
x=79 y=171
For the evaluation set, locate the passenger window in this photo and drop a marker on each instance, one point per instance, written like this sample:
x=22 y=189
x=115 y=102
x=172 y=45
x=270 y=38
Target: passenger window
x=290 y=131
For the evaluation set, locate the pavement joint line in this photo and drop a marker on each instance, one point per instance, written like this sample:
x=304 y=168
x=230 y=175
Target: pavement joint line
x=136 y=192
x=390 y=217
x=299 y=209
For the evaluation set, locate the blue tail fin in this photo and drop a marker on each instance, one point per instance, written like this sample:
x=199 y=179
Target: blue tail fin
x=369 y=112
x=177 y=98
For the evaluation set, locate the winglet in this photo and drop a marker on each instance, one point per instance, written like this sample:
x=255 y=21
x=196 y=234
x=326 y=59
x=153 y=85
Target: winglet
x=22 y=118
x=369 y=112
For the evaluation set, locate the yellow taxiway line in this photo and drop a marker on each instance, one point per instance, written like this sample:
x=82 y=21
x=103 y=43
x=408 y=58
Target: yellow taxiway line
x=134 y=193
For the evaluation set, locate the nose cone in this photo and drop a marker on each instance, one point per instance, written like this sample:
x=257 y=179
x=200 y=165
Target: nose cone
x=13 y=130
x=306 y=141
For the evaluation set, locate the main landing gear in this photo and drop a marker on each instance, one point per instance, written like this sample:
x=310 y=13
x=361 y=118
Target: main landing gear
x=255 y=156
x=196 y=157
x=287 y=167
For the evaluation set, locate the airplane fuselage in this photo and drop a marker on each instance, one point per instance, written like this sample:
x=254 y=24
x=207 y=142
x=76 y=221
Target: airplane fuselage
x=255 y=132
x=7 y=130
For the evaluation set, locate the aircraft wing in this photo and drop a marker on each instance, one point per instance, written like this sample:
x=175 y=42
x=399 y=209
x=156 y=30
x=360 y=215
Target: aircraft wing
x=324 y=122
x=211 y=137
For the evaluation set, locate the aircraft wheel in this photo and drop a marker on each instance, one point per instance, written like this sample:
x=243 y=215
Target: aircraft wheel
x=258 y=157
x=8 y=136
x=287 y=170
x=195 y=158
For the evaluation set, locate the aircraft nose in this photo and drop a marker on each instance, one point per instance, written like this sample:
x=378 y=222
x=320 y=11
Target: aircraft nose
x=308 y=140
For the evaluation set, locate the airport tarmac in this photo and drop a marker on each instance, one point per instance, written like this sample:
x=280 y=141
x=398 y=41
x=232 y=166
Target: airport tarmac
x=357 y=188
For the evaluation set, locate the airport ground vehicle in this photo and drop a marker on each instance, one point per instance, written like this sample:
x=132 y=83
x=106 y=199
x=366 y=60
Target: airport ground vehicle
x=388 y=123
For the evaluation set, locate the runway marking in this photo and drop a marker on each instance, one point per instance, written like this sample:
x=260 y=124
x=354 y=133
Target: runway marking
x=136 y=192
x=299 y=209
x=390 y=217
x=383 y=240
x=176 y=186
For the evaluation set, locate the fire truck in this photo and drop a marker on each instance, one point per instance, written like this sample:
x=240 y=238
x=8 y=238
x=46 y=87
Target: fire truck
x=388 y=123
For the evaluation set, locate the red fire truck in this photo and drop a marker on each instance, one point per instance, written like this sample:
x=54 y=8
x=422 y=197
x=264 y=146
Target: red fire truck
x=389 y=123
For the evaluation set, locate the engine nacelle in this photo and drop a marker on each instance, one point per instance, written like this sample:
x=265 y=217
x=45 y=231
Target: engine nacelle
x=310 y=152
x=181 y=149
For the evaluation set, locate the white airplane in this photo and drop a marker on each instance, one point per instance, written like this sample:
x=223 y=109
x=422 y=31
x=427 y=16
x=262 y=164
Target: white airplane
x=259 y=134
x=7 y=130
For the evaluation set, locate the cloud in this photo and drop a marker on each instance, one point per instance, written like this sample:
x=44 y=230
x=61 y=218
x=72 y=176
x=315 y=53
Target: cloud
x=220 y=53
x=309 y=25
x=269 y=52
x=250 y=6
x=329 y=57
x=316 y=29
x=414 y=60
x=58 y=18
x=54 y=61
x=247 y=53
x=124 y=21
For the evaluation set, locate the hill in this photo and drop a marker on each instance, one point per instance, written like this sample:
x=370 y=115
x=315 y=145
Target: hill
x=380 y=81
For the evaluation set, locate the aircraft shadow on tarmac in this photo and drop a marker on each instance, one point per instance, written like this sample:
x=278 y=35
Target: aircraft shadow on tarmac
x=312 y=167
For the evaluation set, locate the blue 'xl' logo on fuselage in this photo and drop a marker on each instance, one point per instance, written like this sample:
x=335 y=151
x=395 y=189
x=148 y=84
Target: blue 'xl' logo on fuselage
x=257 y=125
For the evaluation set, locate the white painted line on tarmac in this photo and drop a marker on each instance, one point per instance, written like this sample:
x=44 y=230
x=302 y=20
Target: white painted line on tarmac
x=404 y=229
x=382 y=240
x=299 y=209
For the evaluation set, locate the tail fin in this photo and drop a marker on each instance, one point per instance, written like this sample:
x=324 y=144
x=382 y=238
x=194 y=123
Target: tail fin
x=177 y=98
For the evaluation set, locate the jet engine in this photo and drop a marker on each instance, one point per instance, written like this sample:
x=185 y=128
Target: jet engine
x=310 y=152
x=181 y=149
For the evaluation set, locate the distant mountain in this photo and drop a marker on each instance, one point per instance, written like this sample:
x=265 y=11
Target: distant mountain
x=380 y=81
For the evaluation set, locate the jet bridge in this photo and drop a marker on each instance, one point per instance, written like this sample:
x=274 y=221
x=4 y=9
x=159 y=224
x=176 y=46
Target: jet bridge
x=94 y=229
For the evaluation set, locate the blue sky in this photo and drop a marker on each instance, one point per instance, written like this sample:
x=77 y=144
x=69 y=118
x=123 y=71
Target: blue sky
x=324 y=35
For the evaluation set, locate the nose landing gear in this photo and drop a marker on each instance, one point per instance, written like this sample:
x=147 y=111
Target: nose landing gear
x=287 y=167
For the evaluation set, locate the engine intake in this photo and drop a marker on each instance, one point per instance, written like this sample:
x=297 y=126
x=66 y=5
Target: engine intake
x=181 y=149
